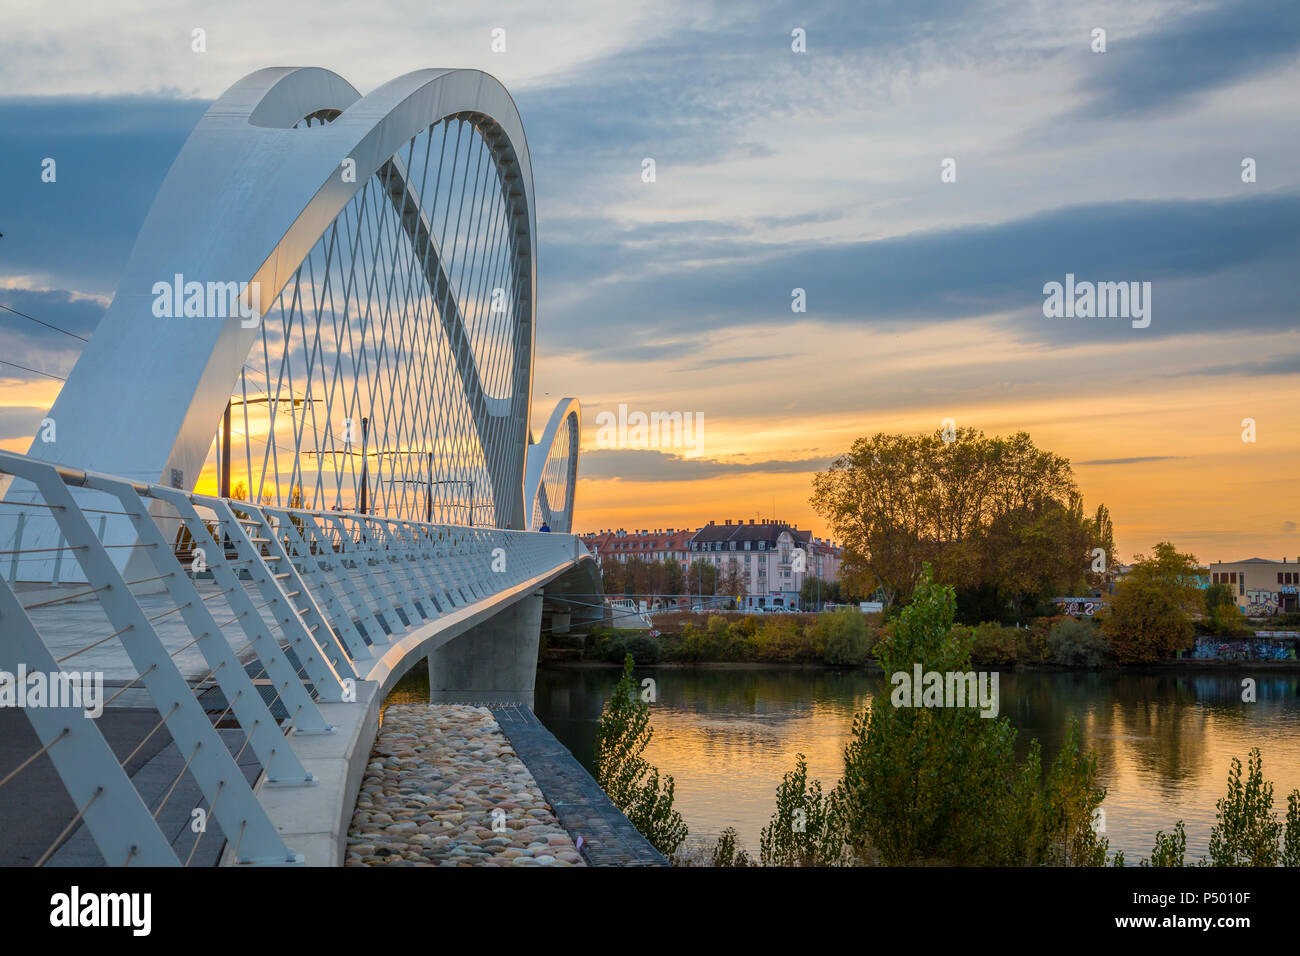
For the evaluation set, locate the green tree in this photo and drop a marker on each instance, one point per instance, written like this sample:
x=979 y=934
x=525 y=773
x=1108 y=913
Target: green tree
x=1291 y=841
x=1227 y=620
x=943 y=784
x=674 y=579
x=1217 y=595
x=1248 y=831
x=1150 y=617
x=805 y=828
x=631 y=783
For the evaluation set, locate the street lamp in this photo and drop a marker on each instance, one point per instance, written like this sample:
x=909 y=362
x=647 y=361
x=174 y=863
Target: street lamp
x=223 y=479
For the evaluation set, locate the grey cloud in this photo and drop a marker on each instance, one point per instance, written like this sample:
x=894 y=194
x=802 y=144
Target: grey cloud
x=651 y=465
x=1190 y=55
x=1130 y=461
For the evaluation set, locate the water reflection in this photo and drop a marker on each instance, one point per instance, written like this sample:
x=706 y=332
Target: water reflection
x=1163 y=742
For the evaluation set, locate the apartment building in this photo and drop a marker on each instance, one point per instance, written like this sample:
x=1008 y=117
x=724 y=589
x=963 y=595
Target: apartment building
x=657 y=545
x=775 y=558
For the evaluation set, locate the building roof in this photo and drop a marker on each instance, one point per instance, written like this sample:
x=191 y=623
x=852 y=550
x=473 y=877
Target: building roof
x=1255 y=561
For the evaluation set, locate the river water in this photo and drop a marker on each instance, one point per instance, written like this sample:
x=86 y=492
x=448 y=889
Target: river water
x=1163 y=740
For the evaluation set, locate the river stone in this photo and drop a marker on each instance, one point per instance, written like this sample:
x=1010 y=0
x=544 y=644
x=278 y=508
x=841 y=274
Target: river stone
x=443 y=787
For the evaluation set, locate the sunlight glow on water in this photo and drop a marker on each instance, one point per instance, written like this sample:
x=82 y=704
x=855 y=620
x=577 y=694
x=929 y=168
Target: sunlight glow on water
x=1163 y=741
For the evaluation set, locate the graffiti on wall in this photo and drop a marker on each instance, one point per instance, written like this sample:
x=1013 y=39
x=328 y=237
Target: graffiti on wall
x=1246 y=649
x=1262 y=603
x=1078 y=606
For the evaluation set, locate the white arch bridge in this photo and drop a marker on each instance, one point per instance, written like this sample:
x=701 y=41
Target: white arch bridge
x=294 y=460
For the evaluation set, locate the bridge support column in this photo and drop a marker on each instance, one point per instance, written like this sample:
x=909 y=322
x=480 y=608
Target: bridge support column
x=492 y=663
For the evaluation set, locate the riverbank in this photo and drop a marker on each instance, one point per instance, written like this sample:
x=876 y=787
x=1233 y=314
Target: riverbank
x=1191 y=665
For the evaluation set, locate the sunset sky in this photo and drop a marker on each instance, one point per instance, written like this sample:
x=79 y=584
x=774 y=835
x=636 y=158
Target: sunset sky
x=777 y=170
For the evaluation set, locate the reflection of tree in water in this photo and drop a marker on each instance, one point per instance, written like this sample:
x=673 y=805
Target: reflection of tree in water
x=1160 y=725
x=753 y=708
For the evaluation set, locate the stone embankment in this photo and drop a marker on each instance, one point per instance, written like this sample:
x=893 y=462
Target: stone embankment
x=444 y=787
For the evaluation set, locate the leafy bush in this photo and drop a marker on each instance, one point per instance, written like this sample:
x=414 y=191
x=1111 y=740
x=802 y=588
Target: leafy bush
x=1227 y=620
x=844 y=638
x=631 y=783
x=805 y=829
x=1170 y=848
x=643 y=648
x=1248 y=830
x=1075 y=643
x=725 y=852
x=993 y=643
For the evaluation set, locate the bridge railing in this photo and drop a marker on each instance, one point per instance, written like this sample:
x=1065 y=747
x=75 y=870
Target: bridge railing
x=272 y=612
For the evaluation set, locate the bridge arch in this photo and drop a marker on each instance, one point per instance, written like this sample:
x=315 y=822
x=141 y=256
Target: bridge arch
x=381 y=284
x=551 y=477
x=387 y=245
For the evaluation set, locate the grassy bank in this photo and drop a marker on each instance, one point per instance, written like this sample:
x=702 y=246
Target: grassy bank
x=845 y=638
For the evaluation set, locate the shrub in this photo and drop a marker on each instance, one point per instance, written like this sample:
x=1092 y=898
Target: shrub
x=993 y=643
x=1248 y=830
x=1170 y=848
x=631 y=783
x=1074 y=643
x=1227 y=620
x=725 y=852
x=805 y=829
x=643 y=648
x=843 y=637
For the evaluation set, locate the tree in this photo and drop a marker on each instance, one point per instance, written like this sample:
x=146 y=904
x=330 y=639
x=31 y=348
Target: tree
x=1150 y=617
x=1217 y=595
x=631 y=783
x=816 y=590
x=733 y=581
x=702 y=578
x=997 y=518
x=674 y=580
x=1248 y=831
x=943 y=783
x=1101 y=533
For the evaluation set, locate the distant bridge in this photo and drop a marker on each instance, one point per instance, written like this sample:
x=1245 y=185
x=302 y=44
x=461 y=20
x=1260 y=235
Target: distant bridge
x=370 y=345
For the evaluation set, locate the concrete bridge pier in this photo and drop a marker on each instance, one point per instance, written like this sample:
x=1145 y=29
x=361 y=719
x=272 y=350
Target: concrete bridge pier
x=492 y=663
